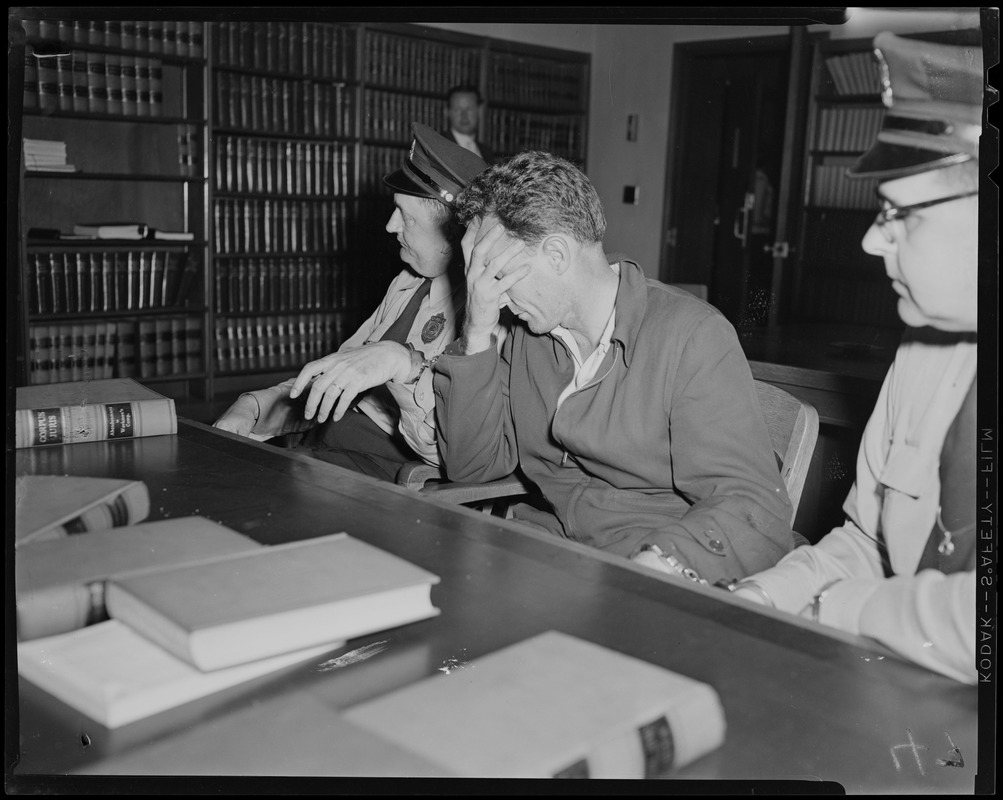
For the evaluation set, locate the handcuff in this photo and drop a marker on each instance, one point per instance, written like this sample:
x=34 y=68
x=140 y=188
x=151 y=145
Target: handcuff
x=426 y=363
x=673 y=564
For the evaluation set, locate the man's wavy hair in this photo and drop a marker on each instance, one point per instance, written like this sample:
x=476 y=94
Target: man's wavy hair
x=535 y=194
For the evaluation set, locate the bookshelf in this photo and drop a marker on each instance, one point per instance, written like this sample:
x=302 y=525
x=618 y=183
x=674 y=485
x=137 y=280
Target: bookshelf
x=267 y=141
x=113 y=124
x=835 y=281
x=282 y=184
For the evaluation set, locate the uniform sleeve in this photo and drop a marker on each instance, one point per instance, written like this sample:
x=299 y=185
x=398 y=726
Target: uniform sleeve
x=473 y=415
x=278 y=413
x=722 y=459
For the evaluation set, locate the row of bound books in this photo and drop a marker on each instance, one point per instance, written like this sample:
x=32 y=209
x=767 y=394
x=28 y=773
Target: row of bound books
x=280 y=226
x=96 y=83
x=512 y=131
x=321 y=50
x=280 y=105
x=377 y=161
x=527 y=81
x=391 y=115
x=284 y=284
x=848 y=129
x=81 y=351
x=271 y=166
x=854 y=73
x=419 y=65
x=277 y=341
x=170 y=37
x=78 y=281
x=830 y=188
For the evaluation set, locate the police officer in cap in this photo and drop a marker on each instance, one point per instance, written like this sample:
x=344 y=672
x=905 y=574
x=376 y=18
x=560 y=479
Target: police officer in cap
x=901 y=567
x=369 y=406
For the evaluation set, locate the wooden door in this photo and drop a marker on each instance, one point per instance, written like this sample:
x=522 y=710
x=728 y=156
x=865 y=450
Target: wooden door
x=730 y=109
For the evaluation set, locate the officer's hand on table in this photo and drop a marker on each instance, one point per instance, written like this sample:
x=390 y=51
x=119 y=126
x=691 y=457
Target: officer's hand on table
x=241 y=417
x=335 y=380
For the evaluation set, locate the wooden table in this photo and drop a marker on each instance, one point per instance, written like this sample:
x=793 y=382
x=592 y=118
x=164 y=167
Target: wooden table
x=802 y=704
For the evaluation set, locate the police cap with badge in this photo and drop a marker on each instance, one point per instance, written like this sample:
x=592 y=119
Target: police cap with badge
x=932 y=89
x=435 y=167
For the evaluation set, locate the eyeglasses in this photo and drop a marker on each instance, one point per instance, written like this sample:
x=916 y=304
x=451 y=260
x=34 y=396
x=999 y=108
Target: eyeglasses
x=890 y=213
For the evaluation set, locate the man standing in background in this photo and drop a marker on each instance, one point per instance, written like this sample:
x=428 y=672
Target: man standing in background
x=463 y=113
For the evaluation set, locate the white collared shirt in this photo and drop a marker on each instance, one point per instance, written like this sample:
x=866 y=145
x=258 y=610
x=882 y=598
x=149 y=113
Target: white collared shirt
x=466 y=141
x=585 y=369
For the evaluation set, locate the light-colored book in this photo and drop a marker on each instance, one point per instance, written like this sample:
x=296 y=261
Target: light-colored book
x=252 y=605
x=53 y=506
x=552 y=706
x=90 y=411
x=59 y=584
x=295 y=734
x=115 y=676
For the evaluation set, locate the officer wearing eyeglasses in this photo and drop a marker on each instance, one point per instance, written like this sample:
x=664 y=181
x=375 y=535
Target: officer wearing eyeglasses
x=901 y=568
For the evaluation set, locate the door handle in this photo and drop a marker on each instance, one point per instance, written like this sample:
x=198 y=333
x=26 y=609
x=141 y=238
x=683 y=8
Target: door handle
x=741 y=226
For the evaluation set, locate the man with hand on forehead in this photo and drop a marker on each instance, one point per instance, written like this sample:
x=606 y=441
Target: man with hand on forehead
x=369 y=406
x=627 y=402
x=901 y=568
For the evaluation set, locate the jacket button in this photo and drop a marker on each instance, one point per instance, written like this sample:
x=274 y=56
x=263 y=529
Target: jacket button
x=716 y=545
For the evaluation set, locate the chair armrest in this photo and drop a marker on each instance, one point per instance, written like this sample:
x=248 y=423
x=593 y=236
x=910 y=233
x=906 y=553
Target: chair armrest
x=415 y=474
x=461 y=493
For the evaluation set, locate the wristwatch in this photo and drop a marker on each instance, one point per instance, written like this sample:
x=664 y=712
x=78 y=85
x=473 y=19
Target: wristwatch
x=816 y=601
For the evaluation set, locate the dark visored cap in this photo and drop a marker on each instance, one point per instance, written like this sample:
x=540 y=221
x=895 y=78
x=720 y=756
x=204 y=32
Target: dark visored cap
x=932 y=92
x=435 y=167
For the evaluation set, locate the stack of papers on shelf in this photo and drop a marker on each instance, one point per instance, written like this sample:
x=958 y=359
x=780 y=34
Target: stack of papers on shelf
x=113 y=230
x=46 y=155
x=128 y=230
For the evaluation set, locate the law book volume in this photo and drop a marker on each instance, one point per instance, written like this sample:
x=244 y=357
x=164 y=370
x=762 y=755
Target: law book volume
x=296 y=734
x=54 y=506
x=59 y=584
x=253 y=605
x=116 y=676
x=91 y=411
x=552 y=706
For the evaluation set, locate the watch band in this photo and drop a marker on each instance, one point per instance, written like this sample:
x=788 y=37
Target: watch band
x=816 y=601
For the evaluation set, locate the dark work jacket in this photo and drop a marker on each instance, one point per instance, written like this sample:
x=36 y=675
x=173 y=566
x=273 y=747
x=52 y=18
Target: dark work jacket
x=665 y=445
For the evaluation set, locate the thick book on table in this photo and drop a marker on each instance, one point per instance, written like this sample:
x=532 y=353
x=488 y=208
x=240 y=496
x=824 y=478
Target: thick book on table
x=91 y=411
x=295 y=734
x=284 y=597
x=60 y=583
x=115 y=676
x=552 y=706
x=53 y=506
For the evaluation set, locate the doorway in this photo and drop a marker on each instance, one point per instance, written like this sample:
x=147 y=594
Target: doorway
x=727 y=165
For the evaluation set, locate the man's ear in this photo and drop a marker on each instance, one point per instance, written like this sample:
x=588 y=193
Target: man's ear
x=557 y=250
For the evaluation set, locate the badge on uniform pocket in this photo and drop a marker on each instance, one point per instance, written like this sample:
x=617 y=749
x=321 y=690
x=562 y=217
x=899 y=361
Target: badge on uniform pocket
x=433 y=328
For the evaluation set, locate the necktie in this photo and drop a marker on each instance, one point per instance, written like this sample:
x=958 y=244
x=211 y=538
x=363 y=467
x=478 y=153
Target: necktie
x=397 y=332
x=401 y=326
x=951 y=546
